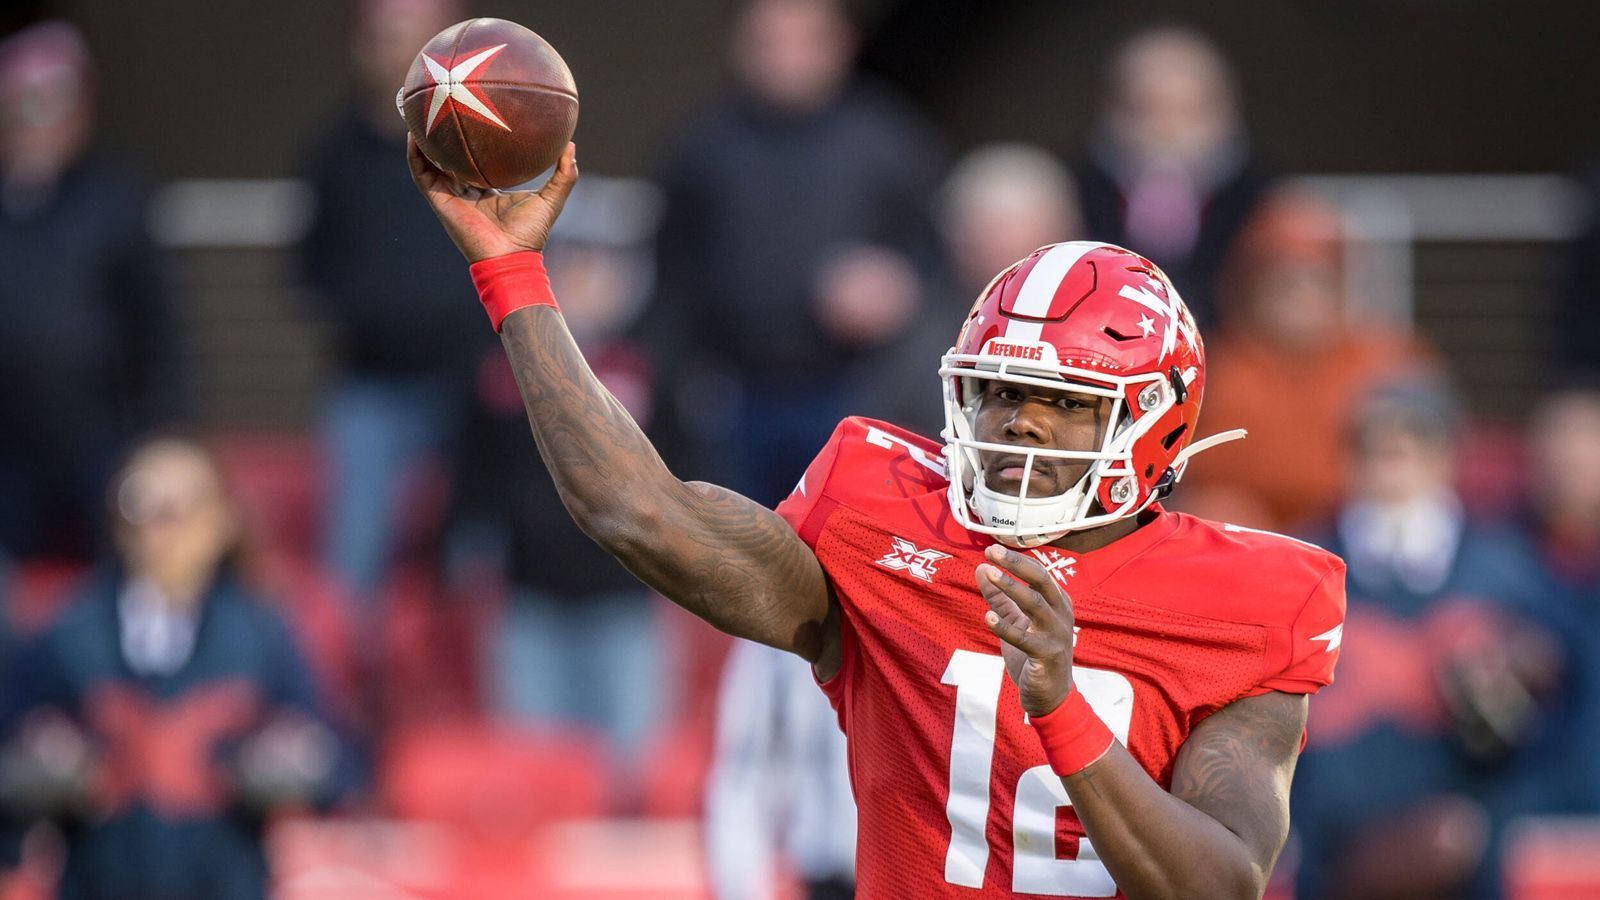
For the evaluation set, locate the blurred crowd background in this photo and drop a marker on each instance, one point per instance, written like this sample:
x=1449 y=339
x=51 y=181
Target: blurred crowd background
x=290 y=607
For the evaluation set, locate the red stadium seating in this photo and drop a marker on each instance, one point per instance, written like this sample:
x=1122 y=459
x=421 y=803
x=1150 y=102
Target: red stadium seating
x=1553 y=859
x=37 y=592
x=680 y=754
x=277 y=479
x=492 y=779
x=587 y=860
x=1491 y=475
x=318 y=610
x=429 y=648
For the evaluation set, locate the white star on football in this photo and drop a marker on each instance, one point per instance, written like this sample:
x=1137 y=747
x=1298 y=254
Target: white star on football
x=451 y=84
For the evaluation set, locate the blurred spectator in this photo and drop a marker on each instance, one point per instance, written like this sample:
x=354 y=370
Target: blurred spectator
x=998 y=204
x=578 y=643
x=1564 y=466
x=1577 y=313
x=1289 y=365
x=779 y=784
x=1416 y=750
x=1169 y=171
x=167 y=711
x=796 y=222
x=90 y=353
x=393 y=288
x=1564 y=443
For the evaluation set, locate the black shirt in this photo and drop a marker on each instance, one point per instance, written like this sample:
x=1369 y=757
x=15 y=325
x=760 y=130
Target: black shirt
x=756 y=201
x=382 y=270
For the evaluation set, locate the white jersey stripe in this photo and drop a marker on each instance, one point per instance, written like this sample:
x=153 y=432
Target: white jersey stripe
x=1040 y=288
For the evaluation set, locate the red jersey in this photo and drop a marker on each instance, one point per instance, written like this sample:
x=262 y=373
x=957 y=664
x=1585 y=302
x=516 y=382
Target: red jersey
x=955 y=797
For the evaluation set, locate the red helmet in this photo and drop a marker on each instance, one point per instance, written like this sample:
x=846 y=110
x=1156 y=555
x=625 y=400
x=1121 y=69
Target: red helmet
x=1089 y=318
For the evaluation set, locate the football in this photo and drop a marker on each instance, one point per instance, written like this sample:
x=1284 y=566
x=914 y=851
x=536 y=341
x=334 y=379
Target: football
x=490 y=102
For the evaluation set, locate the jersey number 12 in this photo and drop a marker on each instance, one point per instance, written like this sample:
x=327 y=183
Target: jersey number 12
x=977 y=678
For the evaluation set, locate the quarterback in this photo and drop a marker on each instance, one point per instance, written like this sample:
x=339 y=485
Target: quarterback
x=1159 y=665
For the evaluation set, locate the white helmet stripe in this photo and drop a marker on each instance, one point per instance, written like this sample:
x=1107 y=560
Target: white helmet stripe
x=1039 y=289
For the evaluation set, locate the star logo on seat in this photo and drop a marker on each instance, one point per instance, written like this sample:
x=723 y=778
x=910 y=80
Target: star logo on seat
x=454 y=85
x=907 y=557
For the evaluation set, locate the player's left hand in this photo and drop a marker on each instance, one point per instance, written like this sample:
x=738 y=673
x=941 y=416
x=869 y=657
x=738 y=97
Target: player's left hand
x=1033 y=619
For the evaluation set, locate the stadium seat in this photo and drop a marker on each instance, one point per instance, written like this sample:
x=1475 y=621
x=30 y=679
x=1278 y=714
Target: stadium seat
x=318 y=610
x=1552 y=858
x=36 y=593
x=278 y=478
x=1491 y=475
x=680 y=753
x=492 y=779
x=429 y=649
x=323 y=859
x=278 y=481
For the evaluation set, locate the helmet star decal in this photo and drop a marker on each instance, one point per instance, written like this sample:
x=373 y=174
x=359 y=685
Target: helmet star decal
x=1156 y=297
x=454 y=84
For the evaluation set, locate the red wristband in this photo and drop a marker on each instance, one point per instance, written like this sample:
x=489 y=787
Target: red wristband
x=1073 y=736
x=508 y=283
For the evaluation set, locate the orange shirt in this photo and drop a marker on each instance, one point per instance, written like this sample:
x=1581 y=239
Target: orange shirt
x=1297 y=407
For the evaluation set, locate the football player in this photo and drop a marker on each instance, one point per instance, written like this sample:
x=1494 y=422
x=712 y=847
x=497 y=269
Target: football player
x=1159 y=665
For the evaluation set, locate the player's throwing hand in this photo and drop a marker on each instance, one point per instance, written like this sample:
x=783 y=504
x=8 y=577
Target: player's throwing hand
x=486 y=223
x=1033 y=619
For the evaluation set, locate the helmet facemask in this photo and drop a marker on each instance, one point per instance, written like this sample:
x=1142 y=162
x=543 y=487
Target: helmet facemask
x=1024 y=521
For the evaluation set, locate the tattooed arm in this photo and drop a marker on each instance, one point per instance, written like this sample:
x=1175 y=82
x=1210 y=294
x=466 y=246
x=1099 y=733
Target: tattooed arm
x=1218 y=831
x=721 y=556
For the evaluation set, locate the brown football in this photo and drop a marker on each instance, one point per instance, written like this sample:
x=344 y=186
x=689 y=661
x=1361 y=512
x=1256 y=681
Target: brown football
x=490 y=102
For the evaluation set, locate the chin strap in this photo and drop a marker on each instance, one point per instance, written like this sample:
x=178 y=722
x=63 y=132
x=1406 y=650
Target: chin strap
x=1221 y=437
